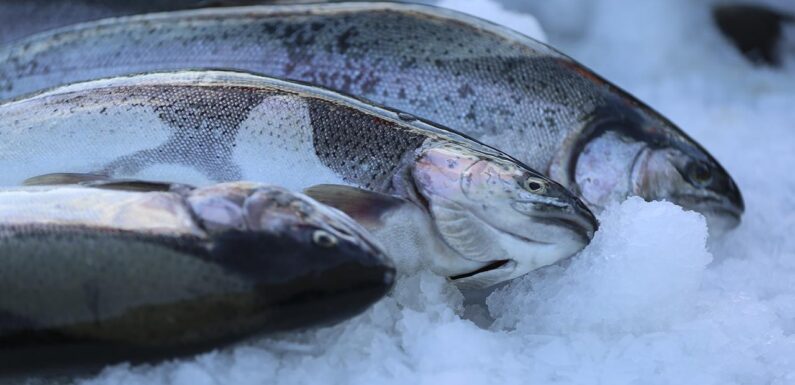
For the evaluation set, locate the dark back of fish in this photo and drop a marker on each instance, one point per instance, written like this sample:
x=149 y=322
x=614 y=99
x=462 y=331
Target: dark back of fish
x=20 y=18
x=79 y=297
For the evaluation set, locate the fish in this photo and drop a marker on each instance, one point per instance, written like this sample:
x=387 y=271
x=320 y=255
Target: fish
x=23 y=18
x=488 y=82
x=756 y=30
x=111 y=271
x=484 y=208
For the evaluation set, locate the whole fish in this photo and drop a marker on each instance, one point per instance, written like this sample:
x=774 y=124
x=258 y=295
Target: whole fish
x=20 y=18
x=95 y=275
x=484 y=210
x=502 y=88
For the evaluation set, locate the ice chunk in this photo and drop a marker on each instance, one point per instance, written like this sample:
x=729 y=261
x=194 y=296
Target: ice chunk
x=641 y=272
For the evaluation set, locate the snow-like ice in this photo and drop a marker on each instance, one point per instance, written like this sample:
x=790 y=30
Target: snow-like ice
x=496 y=13
x=651 y=301
x=640 y=274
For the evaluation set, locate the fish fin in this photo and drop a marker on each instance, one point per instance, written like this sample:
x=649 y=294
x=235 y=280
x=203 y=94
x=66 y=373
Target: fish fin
x=61 y=178
x=103 y=182
x=136 y=185
x=366 y=207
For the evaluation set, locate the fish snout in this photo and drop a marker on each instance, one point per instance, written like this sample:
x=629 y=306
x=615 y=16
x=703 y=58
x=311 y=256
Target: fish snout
x=734 y=199
x=310 y=278
x=568 y=212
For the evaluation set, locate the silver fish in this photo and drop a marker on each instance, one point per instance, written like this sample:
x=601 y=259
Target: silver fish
x=203 y=127
x=94 y=275
x=491 y=83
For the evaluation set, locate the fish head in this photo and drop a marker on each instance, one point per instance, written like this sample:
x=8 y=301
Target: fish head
x=496 y=212
x=275 y=210
x=623 y=147
x=313 y=258
x=689 y=177
x=631 y=150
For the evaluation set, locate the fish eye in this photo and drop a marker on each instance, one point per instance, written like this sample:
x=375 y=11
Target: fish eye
x=324 y=239
x=699 y=173
x=535 y=185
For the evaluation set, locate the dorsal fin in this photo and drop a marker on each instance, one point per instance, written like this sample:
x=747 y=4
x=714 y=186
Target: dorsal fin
x=103 y=182
x=61 y=178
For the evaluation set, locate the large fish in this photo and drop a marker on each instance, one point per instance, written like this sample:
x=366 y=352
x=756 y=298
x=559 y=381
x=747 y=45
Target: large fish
x=493 y=84
x=92 y=275
x=490 y=216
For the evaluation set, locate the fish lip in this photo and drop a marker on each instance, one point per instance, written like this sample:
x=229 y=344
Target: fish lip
x=723 y=207
x=577 y=227
x=581 y=222
x=493 y=265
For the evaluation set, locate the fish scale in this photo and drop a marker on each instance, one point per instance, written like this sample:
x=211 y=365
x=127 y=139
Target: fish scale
x=197 y=117
x=201 y=125
x=365 y=148
x=204 y=121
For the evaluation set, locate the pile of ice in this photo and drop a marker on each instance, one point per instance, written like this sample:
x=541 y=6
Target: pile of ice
x=650 y=301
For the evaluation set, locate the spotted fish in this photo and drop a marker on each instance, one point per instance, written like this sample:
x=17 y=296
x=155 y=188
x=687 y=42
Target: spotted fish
x=490 y=83
x=488 y=213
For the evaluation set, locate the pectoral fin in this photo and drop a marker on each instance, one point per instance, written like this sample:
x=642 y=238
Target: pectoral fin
x=366 y=207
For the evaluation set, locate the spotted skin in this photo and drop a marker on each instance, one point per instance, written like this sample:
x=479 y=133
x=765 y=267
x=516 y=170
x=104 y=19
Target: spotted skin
x=223 y=126
x=204 y=124
x=367 y=149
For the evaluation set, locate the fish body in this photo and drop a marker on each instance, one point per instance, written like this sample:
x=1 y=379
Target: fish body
x=486 y=81
x=201 y=127
x=93 y=275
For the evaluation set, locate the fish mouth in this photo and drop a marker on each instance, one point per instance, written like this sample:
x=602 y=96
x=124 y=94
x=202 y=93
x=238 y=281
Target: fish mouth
x=574 y=226
x=581 y=222
x=715 y=210
x=489 y=267
x=582 y=229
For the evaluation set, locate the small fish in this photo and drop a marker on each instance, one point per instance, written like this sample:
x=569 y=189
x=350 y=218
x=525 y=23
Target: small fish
x=493 y=84
x=102 y=274
x=487 y=210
